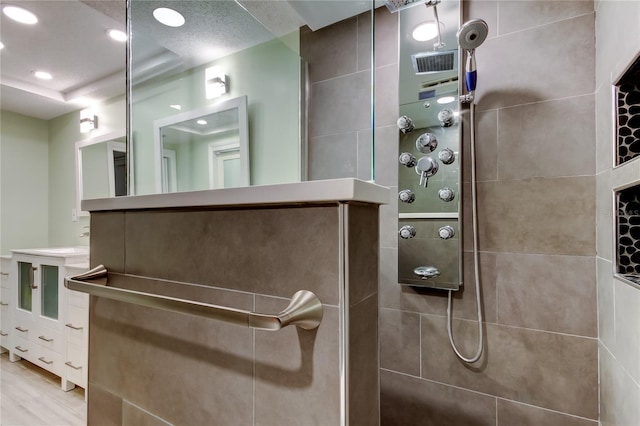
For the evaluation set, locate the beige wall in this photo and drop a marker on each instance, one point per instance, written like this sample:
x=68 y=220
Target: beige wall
x=617 y=44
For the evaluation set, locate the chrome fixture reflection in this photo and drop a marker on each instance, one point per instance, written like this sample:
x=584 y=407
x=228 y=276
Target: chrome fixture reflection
x=405 y=124
x=446 y=117
x=407 y=232
x=446 y=232
x=426 y=168
x=407 y=159
x=447 y=156
x=425 y=272
x=446 y=194
x=407 y=196
x=426 y=143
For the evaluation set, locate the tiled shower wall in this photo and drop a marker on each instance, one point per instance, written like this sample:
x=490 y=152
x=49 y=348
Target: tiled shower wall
x=537 y=209
x=617 y=44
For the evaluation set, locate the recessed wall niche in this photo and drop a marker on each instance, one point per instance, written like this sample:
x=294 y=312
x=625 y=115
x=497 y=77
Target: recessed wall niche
x=628 y=234
x=627 y=95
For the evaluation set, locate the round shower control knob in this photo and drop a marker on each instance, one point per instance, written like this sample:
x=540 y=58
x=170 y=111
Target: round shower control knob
x=405 y=124
x=446 y=117
x=447 y=156
x=446 y=194
x=446 y=232
x=407 y=159
x=407 y=232
x=407 y=196
x=426 y=143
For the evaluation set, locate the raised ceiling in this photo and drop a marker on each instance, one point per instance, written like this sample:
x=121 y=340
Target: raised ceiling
x=70 y=42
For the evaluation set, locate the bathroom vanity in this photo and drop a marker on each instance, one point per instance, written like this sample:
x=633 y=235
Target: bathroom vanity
x=247 y=249
x=47 y=324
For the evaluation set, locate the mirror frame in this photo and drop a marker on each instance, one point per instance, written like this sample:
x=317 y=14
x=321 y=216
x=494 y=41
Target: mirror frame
x=113 y=145
x=239 y=103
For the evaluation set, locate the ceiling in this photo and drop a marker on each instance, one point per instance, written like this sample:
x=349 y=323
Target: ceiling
x=70 y=42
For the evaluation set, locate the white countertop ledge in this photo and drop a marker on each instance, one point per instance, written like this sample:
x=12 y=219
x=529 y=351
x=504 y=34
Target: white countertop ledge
x=318 y=191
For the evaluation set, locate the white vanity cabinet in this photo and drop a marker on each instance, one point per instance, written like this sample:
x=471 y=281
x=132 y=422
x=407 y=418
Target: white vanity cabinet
x=5 y=303
x=77 y=332
x=41 y=312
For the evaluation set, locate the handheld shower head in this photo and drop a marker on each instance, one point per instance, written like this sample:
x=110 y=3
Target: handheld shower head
x=470 y=36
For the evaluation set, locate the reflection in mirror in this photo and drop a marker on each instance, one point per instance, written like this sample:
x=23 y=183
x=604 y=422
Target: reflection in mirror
x=228 y=50
x=207 y=148
x=101 y=170
x=429 y=198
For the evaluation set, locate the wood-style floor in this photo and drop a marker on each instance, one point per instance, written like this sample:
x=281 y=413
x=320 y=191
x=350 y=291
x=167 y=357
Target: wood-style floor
x=31 y=396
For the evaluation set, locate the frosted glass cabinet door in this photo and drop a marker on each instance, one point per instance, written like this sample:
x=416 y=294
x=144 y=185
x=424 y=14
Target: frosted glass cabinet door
x=25 y=285
x=49 y=293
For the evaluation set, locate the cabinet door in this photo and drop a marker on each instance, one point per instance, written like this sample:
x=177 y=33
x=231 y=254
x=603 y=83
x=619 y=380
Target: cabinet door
x=25 y=285
x=49 y=291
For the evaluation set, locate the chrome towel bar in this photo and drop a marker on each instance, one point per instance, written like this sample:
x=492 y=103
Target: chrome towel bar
x=304 y=309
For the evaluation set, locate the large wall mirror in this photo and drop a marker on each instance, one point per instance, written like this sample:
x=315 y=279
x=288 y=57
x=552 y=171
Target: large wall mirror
x=216 y=53
x=429 y=178
x=206 y=148
x=101 y=170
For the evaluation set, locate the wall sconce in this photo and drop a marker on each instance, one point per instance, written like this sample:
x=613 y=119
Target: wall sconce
x=215 y=82
x=88 y=121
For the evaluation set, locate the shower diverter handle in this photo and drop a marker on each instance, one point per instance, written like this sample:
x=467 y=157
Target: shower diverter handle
x=426 y=168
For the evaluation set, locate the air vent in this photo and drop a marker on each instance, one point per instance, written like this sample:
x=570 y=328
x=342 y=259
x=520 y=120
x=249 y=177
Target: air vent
x=431 y=62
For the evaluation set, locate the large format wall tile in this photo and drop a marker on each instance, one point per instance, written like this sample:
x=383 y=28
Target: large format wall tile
x=604 y=216
x=517 y=15
x=605 y=138
x=532 y=142
x=551 y=216
x=386 y=96
x=104 y=408
x=512 y=413
x=486 y=152
x=548 y=370
x=386 y=37
x=552 y=293
x=606 y=306
x=400 y=341
x=340 y=105
x=363 y=246
x=619 y=394
x=330 y=51
x=134 y=416
x=522 y=70
x=292 y=369
x=409 y=401
x=107 y=240
x=334 y=156
x=164 y=363
x=627 y=318
x=276 y=262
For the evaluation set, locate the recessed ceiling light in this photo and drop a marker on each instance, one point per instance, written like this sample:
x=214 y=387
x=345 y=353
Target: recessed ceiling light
x=201 y=122
x=176 y=106
x=446 y=100
x=117 y=35
x=19 y=14
x=168 y=17
x=43 y=75
x=425 y=31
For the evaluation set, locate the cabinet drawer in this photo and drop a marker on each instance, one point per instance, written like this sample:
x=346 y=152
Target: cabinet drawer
x=76 y=326
x=77 y=298
x=21 y=328
x=5 y=297
x=4 y=339
x=49 y=360
x=76 y=365
x=22 y=347
x=48 y=338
